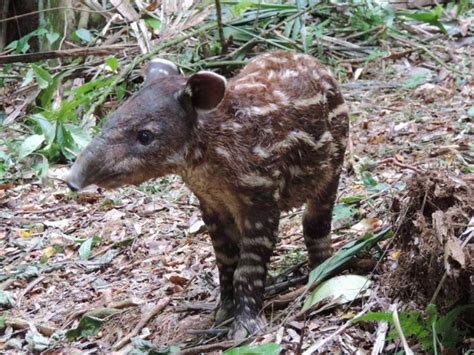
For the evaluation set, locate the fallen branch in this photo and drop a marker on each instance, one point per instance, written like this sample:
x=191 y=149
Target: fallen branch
x=401 y=165
x=223 y=345
x=145 y=319
x=65 y=53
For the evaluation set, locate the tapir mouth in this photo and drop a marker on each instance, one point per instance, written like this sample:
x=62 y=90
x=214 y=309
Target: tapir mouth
x=109 y=181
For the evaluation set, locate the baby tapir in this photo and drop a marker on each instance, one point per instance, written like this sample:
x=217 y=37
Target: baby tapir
x=270 y=139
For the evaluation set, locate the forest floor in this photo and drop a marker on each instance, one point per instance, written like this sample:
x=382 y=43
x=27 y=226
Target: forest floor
x=138 y=263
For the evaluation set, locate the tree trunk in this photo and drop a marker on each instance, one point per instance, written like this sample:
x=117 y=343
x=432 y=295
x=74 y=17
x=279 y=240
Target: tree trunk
x=60 y=21
x=3 y=26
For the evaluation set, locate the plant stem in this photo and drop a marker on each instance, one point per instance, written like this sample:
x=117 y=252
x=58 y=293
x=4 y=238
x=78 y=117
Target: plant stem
x=220 y=28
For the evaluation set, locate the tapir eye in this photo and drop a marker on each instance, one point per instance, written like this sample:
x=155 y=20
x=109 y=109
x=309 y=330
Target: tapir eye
x=145 y=137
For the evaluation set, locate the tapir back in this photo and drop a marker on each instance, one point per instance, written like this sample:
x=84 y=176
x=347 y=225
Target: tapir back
x=282 y=125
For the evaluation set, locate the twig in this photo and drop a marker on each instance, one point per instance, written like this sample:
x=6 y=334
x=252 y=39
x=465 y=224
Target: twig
x=145 y=319
x=223 y=345
x=426 y=50
x=215 y=331
x=275 y=288
x=46 y=210
x=220 y=28
x=65 y=53
x=401 y=165
x=28 y=288
x=313 y=348
x=380 y=336
x=398 y=327
x=129 y=302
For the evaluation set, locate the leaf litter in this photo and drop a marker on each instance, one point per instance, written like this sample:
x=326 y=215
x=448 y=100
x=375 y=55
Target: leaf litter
x=137 y=264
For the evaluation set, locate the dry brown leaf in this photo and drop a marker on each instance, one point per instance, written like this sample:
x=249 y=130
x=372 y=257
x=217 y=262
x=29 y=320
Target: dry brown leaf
x=370 y=224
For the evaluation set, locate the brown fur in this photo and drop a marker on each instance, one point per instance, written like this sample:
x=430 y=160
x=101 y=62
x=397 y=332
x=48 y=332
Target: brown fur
x=275 y=141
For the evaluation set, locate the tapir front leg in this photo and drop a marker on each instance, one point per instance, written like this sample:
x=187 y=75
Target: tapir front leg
x=224 y=233
x=259 y=228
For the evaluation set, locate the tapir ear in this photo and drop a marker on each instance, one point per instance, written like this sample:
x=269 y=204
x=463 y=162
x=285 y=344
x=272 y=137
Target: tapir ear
x=159 y=67
x=205 y=89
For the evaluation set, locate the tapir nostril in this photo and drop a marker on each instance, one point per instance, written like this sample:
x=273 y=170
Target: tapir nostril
x=72 y=186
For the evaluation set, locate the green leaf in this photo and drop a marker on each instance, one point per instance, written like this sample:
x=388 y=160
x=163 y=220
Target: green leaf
x=88 y=326
x=52 y=37
x=36 y=341
x=43 y=78
x=352 y=199
x=80 y=137
x=368 y=180
x=103 y=260
x=414 y=81
x=264 y=349
x=30 y=144
x=341 y=214
x=153 y=23
x=28 y=77
x=48 y=129
x=113 y=63
x=86 y=246
x=345 y=254
x=374 y=317
x=84 y=35
x=470 y=112
x=3 y=320
x=339 y=290
x=145 y=347
x=7 y=299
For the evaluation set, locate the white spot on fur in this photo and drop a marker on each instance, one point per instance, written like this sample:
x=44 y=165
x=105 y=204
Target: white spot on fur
x=277 y=60
x=258 y=283
x=261 y=152
x=287 y=74
x=259 y=225
x=223 y=153
x=243 y=271
x=247 y=86
x=327 y=86
x=258 y=241
x=309 y=101
x=272 y=107
x=255 y=180
x=253 y=256
x=280 y=96
x=339 y=110
x=225 y=259
x=295 y=170
x=271 y=74
x=276 y=195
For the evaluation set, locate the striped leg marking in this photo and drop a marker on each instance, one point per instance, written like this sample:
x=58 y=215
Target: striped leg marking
x=260 y=229
x=227 y=257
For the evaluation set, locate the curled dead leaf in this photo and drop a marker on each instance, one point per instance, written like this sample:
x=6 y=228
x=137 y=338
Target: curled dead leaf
x=370 y=224
x=177 y=279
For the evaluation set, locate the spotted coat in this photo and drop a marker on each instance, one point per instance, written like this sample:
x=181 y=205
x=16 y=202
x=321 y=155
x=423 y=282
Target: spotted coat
x=269 y=139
